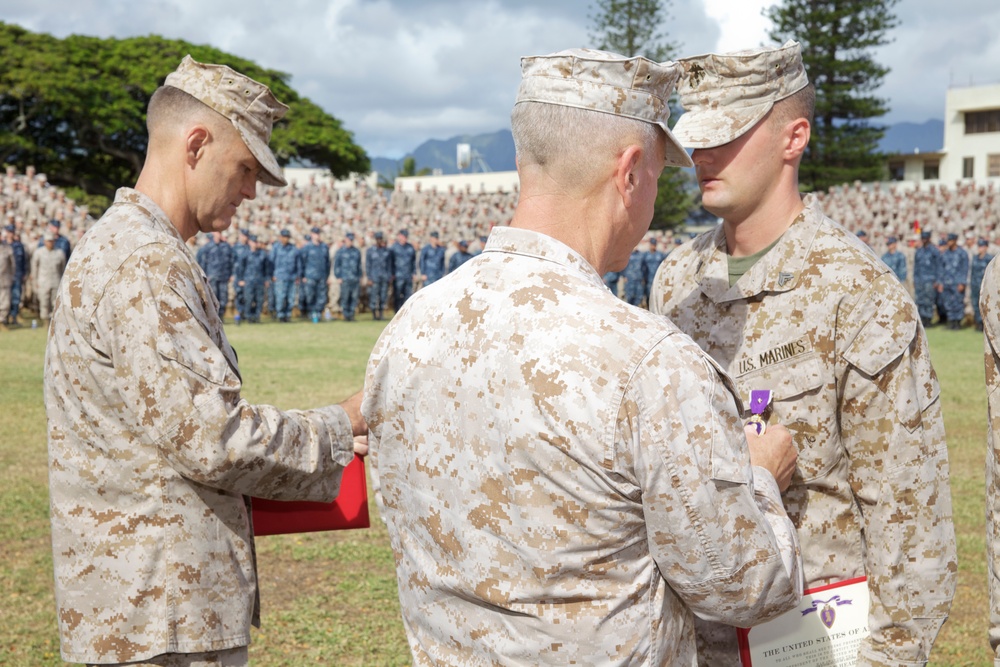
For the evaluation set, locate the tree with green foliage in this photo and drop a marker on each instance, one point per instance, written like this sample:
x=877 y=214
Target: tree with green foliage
x=632 y=27
x=837 y=38
x=75 y=108
x=408 y=167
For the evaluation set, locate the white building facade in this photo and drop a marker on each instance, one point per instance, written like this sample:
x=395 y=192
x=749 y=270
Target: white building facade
x=971 y=150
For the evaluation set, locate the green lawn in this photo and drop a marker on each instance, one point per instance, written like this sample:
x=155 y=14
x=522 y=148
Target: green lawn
x=330 y=598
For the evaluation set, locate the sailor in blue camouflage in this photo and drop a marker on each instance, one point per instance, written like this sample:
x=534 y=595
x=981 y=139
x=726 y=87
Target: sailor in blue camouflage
x=404 y=266
x=347 y=270
x=285 y=264
x=894 y=259
x=218 y=260
x=954 y=281
x=635 y=278
x=255 y=269
x=432 y=260
x=926 y=277
x=460 y=256
x=378 y=271
x=977 y=270
x=240 y=250
x=314 y=258
x=651 y=260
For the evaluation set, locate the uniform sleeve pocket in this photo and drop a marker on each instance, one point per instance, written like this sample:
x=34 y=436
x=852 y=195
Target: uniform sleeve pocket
x=183 y=337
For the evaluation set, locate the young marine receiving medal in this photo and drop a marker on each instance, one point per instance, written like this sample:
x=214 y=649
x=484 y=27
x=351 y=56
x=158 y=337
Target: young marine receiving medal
x=791 y=303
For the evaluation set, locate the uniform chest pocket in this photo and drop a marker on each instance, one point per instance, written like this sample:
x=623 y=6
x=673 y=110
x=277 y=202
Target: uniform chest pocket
x=801 y=404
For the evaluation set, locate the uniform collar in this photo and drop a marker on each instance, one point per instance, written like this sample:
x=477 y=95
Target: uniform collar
x=529 y=243
x=779 y=270
x=156 y=214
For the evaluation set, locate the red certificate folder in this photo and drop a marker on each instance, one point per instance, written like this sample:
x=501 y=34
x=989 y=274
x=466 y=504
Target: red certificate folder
x=349 y=510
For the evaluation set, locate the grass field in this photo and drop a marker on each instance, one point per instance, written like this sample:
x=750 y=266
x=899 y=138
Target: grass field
x=330 y=598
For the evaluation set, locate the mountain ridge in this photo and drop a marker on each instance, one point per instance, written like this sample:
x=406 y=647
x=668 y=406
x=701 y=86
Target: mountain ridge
x=496 y=149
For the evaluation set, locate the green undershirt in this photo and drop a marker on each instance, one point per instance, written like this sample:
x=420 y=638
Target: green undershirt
x=740 y=265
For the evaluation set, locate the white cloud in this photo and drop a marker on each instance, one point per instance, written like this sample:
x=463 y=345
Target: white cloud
x=741 y=23
x=397 y=72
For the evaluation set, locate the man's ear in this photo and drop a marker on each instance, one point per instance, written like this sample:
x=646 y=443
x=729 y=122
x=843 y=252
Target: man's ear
x=797 y=133
x=626 y=173
x=198 y=137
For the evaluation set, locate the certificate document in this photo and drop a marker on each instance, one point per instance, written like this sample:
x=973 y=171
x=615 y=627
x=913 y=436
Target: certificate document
x=825 y=630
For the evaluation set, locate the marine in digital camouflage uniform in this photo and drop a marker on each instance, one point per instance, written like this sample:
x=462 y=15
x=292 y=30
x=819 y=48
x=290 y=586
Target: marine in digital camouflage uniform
x=152 y=451
x=818 y=320
x=547 y=501
x=989 y=306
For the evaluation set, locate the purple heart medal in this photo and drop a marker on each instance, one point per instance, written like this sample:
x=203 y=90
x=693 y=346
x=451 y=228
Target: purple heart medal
x=760 y=404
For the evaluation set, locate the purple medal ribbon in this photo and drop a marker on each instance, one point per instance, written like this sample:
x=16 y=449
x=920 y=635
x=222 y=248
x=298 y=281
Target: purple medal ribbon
x=760 y=399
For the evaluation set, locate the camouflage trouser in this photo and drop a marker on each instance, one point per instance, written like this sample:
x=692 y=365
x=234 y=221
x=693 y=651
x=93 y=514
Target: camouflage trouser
x=221 y=289
x=234 y=657
x=5 y=300
x=402 y=288
x=46 y=300
x=253 y=300
x=954 y=303
x=926 y=299
x=635 y=292
x=974 y=297
x=15 y=299
x=314 y=296
x=349 y=298
x=378 y=296
x=283 y=295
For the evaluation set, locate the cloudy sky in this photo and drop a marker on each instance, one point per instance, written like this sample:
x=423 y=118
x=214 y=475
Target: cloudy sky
x=398 y=72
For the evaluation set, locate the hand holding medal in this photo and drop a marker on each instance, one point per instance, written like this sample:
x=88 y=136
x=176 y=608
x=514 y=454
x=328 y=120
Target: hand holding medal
x=770 y=448
x=760 y=406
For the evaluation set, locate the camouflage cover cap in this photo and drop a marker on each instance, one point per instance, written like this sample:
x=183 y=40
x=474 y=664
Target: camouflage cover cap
x=607 y=82
x=724 y=95
x=250 y=107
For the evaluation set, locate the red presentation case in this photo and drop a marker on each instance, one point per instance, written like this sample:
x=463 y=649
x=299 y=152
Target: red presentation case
x=349 y=510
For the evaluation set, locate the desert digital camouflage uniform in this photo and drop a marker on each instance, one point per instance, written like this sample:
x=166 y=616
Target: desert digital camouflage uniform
x=152 y=450
x=47 y=267
x=547 y=501
x=7 y=272
x=989 y=306
x=831 y=331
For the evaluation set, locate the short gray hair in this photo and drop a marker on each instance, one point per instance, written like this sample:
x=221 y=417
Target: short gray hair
x=575 y=141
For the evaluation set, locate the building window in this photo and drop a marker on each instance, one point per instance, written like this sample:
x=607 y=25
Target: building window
x=968 y=164
x=977 y=122
x=932 y=170
x=897 y=171
x=993 y=165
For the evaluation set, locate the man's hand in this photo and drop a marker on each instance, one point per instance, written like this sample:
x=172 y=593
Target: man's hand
x=774 y=452
x=352 y=407
x=361 y=445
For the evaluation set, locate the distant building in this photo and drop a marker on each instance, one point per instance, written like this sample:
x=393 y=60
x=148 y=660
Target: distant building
x=477 y=183
x=971 y=148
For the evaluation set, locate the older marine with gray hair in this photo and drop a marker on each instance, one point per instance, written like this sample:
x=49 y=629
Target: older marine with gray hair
x=152 y=450
x=787 y=300
x=547 y=501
